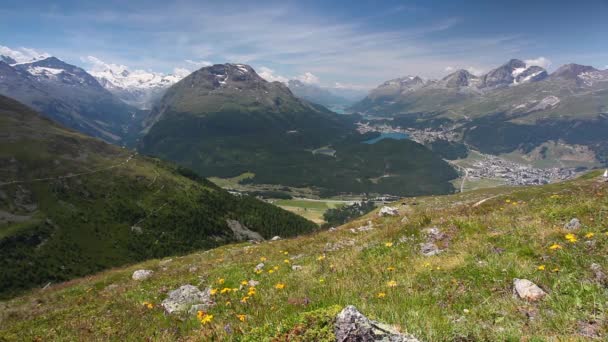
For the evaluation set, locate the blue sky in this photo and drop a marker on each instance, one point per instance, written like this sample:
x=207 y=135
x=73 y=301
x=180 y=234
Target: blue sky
x=350 y=43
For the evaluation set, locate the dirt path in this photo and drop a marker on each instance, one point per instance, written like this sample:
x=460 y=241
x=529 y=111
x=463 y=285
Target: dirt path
x=70 y=175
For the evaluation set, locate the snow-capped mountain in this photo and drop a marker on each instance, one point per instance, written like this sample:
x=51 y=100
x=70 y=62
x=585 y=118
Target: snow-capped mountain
x=67 y=94
x=138 y=88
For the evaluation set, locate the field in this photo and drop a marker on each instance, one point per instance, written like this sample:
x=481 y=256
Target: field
x=310 y=209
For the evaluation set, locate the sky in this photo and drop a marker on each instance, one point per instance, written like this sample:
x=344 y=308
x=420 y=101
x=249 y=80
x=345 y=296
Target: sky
x=344 y=44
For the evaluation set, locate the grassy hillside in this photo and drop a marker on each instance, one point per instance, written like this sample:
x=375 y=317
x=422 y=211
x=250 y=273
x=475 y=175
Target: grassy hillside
x=487 y=238
x=72 y=205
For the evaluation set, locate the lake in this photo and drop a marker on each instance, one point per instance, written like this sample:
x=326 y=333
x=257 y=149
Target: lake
x=391 y=135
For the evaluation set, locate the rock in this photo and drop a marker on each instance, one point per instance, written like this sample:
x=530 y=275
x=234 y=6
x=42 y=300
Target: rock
x=259 y=267
x=353 y=326
x=429 y=249
x=253 y=283
x=591 y=330
x=275 y=238
x=185 y=297
x=332 y=229
x=405 y=220
x=242 y=233
x=296 y=268
x=434 y=233
x=336 y=246
x=600 y=276
x=165 y=262
x=142 y=274
x=388 y=211
x=527 y=290
x=136 y=230
x=574 y=224
x=192 y=269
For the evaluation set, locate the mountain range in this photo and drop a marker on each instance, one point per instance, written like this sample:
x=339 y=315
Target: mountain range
x=225 y=120
x=512 y=108
x=68 y=95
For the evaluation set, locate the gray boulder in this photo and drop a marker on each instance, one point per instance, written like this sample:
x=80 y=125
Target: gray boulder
x=142 y=274
x=388 y=211
x=352 y=326
x=574 y=224
x=275 y=238
x=429 y=249
x=186 y=297
x=527 y=290
x=242 y=233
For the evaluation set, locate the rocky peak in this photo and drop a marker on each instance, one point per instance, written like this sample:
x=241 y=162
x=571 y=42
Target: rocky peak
x=460 y=78
x=531 y=74
x=7 y=59
x=572 y=71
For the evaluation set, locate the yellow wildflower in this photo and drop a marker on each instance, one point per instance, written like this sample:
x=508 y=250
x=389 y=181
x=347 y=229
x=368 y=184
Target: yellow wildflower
x=200 y=314
x=213 y=292
x=286 y=252
x=276 y=268
x=235 y=289
x=225 y=290
x=381 y=295
x=244 y=282
x=321 y=280
x=251 y=291
x=228 y=303
x=392 y=283
x=258 y=271
x=279 y=286
x=321 y=257
x=555 y=246
x=388 y=244
x=262 y=259
x=245 y=299
x=390 y=268
x=148 y=305
x=206 y=319
x=270 y=271
x=220 y=280
x=242 y=318
x=541 y=268
x=507 y=201
x=571 y=237
x=286 y=261
x=589 y=235
x=555 y=270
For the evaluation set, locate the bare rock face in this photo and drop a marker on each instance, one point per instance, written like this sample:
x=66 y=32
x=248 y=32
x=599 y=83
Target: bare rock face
x=352 y=326
x=574 y=224
x=185 y=298
x=527 y=290
x=242 y=233
x=429 y=249
x=142 y=274
x=388 y=211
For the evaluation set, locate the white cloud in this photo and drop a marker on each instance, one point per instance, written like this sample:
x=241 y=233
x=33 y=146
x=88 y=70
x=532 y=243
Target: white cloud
x=270 y=76
x=181 y=72
x=339 y=85
x=22 y=54
x=308 y=78
x=540 y=61
x=475 y=70
x=199 y=64
x=96 y=65
x=449 y=69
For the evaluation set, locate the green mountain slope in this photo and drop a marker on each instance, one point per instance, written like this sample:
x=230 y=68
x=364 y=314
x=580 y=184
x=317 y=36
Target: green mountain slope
x=72 y=205
x=486 y=238
x=225 y=120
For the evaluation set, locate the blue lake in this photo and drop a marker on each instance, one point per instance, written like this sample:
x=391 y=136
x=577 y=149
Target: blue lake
x=392 y=135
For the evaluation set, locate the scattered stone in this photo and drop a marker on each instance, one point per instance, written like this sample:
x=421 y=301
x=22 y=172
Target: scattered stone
x=185 y=297
x=296 y=268
x=527 y=290
x=192 y=269
x=353 y=326
x=253 y=283
x=275 y=238
x=589 y=329
x=332 y=247
x=165 y=262
x=259 y=267
x=388 y=211
x=369 y=226
x=405 y=220
x=242 y=233
x=574 y=224
x=332 y=229
x=137 y=230
x=142 y=274
x=434 y=233
x=110 y=288
x=429 y=249
x=498 y=250
x=600 y=276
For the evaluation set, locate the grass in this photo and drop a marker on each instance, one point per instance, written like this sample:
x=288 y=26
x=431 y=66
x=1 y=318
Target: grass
x=464 y=293
x=310 y=209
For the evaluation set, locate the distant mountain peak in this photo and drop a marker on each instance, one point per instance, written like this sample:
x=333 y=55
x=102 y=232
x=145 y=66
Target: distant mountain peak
x=460 y=78
x=572 y=71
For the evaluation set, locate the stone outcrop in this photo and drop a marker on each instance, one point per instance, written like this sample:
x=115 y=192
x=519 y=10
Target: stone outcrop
x=185 y=298
x=142 y=274
x=352 y=326
x=527 y=290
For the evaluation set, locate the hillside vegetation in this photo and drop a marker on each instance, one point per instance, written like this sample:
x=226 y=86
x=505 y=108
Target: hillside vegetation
x=462 y=291
x=72 y=205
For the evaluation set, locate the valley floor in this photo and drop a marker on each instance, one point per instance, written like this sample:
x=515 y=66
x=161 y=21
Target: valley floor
x=453 y=282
